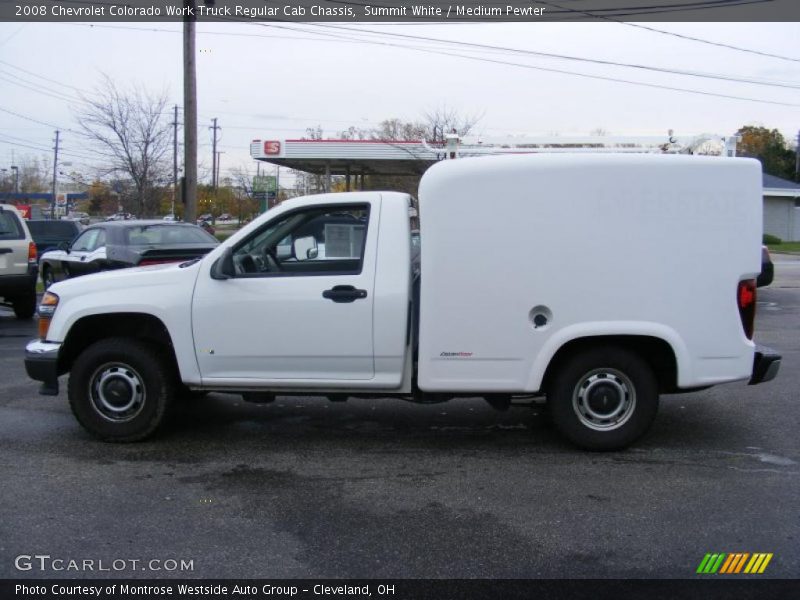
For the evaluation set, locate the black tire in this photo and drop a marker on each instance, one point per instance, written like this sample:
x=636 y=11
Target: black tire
x=603 y=398
x=47 y=277
x=25 y=305
x=121 y=389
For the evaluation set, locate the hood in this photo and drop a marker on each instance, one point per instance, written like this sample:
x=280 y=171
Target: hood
x=131 y=278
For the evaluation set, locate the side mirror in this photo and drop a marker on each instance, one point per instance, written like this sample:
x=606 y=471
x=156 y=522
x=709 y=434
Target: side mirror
x=223 y=267
x=305 y=248
x=64 y=246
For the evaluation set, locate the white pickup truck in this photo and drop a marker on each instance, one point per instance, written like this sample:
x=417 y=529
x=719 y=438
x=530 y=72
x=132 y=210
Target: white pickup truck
x=597 y=281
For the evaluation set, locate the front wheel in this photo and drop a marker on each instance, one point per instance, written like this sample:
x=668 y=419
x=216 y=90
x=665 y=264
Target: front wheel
x=120 y=389
x=603 y=398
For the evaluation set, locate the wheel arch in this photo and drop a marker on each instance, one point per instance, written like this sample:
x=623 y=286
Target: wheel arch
x=658 y=352
x=92 y=328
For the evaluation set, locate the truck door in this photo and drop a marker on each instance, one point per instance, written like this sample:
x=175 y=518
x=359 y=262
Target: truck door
x=300 y=304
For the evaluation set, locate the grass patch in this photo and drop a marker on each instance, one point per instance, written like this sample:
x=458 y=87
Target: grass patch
x=784 y=247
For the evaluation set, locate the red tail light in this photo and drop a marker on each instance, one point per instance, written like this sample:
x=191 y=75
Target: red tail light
x=32 y=252
x=746 y=300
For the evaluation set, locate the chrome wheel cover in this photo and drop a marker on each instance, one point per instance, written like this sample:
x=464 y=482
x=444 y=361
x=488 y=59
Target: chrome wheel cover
x=116 y=392
x=604 y=399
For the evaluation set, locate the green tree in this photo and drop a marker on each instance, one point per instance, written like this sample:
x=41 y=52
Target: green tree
x=770 y=147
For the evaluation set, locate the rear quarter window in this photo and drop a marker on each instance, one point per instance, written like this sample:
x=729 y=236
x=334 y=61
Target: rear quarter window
x=10 y=226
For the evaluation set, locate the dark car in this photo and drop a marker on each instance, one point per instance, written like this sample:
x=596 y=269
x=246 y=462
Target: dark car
x=49 y=234
x=206 y=226
x=767 y=269
x=121 y=244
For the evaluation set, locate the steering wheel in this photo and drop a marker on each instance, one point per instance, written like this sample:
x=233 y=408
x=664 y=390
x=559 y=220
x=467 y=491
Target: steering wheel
x=271 y=258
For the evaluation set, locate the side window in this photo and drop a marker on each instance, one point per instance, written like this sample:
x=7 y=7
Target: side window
x=89 y=240
x=100 y=240
x=313 y=241
x=10 y=227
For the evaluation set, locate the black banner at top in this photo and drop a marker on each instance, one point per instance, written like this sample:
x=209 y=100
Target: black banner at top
x=351 y=11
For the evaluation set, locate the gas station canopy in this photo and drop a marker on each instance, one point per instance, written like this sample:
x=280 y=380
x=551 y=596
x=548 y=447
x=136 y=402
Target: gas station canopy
x=412 y=158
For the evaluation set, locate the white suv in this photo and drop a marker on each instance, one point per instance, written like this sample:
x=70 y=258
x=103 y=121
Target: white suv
x=18 y=266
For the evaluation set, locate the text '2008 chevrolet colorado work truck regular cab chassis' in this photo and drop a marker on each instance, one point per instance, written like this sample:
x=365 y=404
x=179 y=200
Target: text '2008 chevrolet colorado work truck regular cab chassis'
x=597 y=281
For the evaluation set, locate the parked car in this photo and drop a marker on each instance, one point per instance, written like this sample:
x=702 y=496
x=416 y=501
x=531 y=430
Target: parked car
x=18 y=266
x=120 y=244
x=49 y=233
x=81 y=217
x=207 y=226
x=170 y=219
x=225 y=217
x=767 y=269
x=120 y=216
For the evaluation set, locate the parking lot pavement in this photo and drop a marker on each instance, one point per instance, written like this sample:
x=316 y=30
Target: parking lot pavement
x=307 y=488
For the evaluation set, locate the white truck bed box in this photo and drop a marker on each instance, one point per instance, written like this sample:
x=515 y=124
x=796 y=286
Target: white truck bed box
x=651 y=245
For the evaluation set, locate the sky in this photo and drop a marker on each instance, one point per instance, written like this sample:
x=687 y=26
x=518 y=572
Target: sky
x=272 y=82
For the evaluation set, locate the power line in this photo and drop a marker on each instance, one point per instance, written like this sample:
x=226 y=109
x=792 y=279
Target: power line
x=574 y=73
x=673 y=34
x=72 y=87
x=482 y=47
x=21 y=116
x=567 y=57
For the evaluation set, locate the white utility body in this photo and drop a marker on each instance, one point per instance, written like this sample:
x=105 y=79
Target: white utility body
x=596 y=280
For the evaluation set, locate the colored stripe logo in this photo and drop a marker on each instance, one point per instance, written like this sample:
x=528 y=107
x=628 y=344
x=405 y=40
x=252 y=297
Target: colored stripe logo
x=734 y=563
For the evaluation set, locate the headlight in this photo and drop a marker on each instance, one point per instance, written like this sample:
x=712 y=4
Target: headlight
x=46 y=309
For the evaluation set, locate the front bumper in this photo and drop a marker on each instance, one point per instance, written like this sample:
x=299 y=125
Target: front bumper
x=766 y=363
x=41 y=364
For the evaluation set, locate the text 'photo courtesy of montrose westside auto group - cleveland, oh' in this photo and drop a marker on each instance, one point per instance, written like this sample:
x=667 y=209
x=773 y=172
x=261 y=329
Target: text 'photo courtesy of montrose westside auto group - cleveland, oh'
x=410 y=300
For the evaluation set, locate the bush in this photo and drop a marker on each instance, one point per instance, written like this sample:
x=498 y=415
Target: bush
x=771 y=239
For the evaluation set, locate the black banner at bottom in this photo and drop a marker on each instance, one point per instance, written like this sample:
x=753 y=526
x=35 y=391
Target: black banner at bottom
x=399 y=589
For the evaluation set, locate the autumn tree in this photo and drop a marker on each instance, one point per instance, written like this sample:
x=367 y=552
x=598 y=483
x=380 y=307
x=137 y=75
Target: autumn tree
x=128 y=132
x=770 y=147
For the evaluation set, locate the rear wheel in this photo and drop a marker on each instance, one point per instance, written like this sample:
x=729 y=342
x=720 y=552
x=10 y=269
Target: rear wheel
x=604 y=398
x=25 y=305
x=120 y=389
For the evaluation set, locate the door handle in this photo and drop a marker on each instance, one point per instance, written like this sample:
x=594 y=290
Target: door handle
x=344 y=293
x=6 y=250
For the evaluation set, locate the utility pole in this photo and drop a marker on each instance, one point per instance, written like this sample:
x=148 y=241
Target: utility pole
x=189 y=113
x=219 y=161
x=797 y=159
x=214 y=128
x=174 y=160
x=55 y=175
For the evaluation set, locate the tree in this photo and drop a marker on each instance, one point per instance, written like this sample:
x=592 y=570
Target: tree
x=35 y=176
x=128 y=131
x=768 y=146
x=101 y=199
